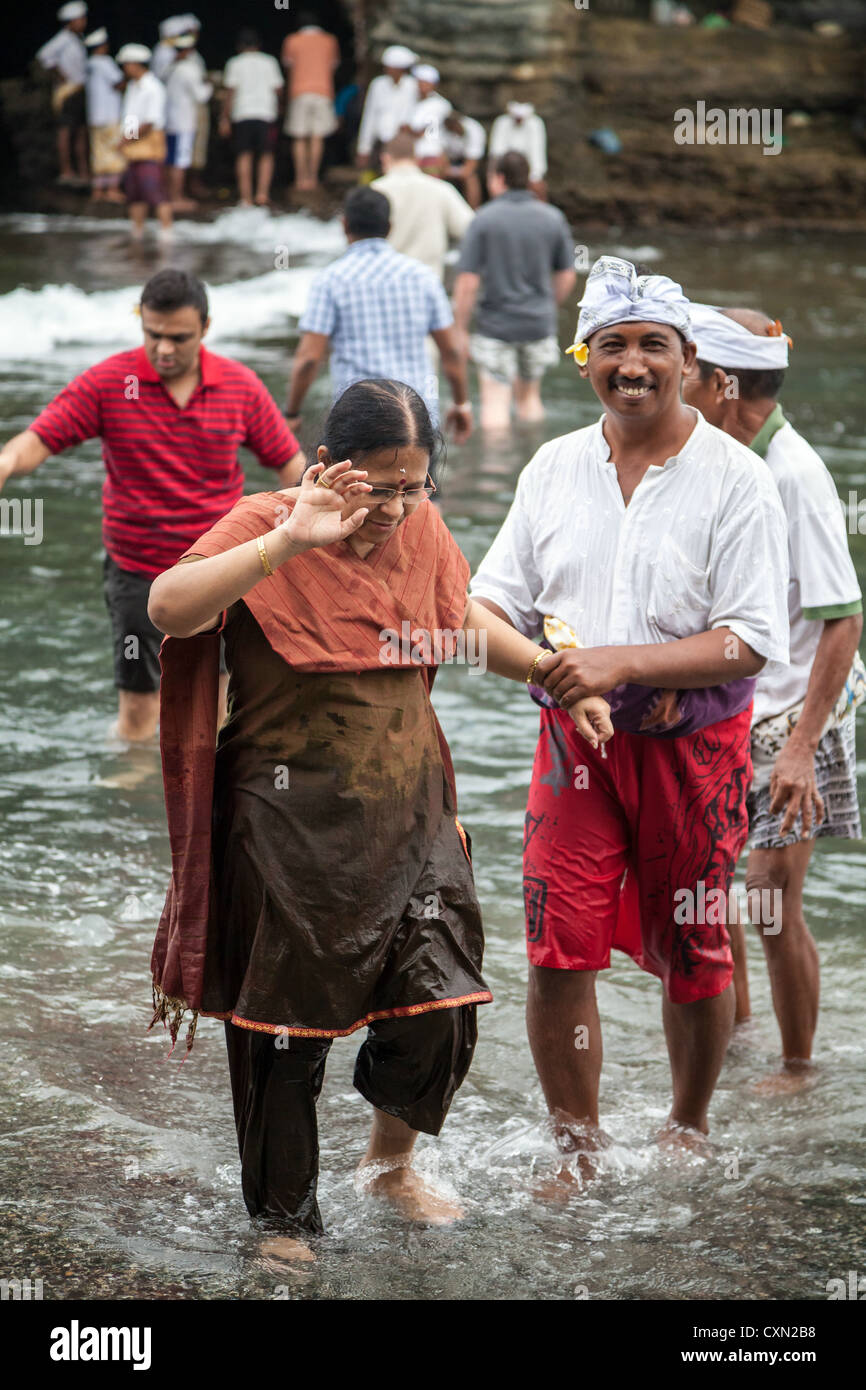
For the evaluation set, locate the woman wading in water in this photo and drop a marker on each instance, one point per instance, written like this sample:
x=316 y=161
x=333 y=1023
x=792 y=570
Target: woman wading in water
x=321 y=881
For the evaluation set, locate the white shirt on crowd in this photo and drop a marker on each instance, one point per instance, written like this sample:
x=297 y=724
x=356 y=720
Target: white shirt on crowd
x=821 y=573
x=426 y=122
x=256 y=80
x=103 y=99
x=144 y=103
x=66 y=52
x=470 y=145
x=528 y=137
x=184 y=92
x=425 y=212
x=702 y=544
x=388 y=106
x=162 y=59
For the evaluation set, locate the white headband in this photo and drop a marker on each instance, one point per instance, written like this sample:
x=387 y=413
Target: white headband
x=615 y=293
x=74 y=10
x=727 y=344
x=425 y=72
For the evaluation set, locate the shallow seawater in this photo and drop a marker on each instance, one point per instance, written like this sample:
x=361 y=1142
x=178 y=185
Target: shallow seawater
x=119 y=1166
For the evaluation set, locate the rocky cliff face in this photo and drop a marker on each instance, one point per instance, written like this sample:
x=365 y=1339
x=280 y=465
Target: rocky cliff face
x=585 y=69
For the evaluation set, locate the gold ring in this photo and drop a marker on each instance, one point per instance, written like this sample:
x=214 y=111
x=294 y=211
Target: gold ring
x=320 y=481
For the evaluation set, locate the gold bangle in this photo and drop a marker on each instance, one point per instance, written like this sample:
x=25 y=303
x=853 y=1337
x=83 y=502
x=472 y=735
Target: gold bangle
x=531 y=672
x=266 y=564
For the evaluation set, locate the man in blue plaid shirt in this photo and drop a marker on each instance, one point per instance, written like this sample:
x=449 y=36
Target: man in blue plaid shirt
x=374 y=309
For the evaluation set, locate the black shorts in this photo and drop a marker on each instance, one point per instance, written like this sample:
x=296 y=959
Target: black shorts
x=136 y=640
x=73 y=112
x=255 y=137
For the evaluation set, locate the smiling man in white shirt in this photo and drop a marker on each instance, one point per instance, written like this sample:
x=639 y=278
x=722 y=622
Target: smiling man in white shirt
x=803 y=745
x=662 y=544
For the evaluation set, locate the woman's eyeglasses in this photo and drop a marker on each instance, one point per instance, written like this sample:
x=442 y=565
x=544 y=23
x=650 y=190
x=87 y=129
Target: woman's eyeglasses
x=377 y=495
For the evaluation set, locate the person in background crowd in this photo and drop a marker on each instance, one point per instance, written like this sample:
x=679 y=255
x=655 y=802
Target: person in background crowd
x=804 y=783
x=164 y=52
x=65 y=58
x=104 y=101
x=522 y=130
x=195 y=185
x=143 y=140
x=184 y=90
x=374 y=309
x=310 y=57
x=520 y=254
x=427 y=119
x=390 y=102
x=253 y=84
x=464 y=141
x=425 y=211
x=171 y=467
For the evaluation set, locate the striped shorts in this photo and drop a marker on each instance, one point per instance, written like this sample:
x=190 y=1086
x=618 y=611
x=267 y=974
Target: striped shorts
x=836 y=775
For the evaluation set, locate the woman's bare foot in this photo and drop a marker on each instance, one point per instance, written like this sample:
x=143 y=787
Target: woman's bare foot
x=285 y=1250
x=796 y=1074
x=684 y=1139
x=407 y=1190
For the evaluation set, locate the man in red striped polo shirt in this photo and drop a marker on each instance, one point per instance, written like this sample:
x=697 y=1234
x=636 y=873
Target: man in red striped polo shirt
x=171 y=416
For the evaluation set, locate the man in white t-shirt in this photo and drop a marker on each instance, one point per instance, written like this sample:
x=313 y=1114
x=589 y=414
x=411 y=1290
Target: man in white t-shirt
x=185 y=90
x=425 y=211
x=142 y=121
x=805 y=775
x=253 y=85
x=65 y=58
x=104 y=100
x=388 y=106
x=464 y=141
x=522 y=130
x=651 y=549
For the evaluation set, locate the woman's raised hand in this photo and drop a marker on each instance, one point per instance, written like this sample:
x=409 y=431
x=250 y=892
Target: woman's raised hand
x=317 y=516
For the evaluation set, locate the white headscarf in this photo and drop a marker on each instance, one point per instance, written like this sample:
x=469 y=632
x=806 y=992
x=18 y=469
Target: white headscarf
x=728 y=344
x=398 y=56
x=615 y=293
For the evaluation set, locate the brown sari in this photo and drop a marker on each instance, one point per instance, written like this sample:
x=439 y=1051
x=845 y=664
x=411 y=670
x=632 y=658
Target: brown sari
x=320 y=878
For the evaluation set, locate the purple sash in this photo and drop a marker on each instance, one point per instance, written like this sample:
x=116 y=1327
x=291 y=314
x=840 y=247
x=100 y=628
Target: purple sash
x=643 y=709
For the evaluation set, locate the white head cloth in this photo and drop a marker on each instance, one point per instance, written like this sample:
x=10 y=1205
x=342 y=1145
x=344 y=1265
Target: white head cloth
x=174 y=26
x=134 y=53
x=189 y=21
x=397 y=56
x=76 y=9
x=520 y=110
x=615 y=293
x=728 y=344
x=99 y=36
x=425 y=72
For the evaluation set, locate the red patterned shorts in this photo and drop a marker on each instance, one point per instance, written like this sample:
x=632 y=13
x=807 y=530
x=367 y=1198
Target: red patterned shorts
x=625 y=851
